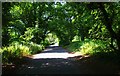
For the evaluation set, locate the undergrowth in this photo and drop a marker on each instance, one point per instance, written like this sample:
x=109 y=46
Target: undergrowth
x=90 y=47
x=18 y=50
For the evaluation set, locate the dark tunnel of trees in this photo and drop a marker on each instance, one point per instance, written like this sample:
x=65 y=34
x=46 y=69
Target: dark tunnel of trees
x=28 y=28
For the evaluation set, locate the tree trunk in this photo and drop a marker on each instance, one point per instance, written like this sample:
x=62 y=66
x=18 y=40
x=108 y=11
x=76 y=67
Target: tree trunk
x=82 y=38
x=108 y=25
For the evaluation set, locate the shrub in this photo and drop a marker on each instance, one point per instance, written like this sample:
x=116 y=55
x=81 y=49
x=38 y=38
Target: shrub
x=90 y=47
x=34 y=48
x=95 y=46
x=73 y=47
x=18 y=50
x=14 y=51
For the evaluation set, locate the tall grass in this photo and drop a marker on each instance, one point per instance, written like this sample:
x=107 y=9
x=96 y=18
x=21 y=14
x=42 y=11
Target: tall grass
x=91 y=47
x=19 y=50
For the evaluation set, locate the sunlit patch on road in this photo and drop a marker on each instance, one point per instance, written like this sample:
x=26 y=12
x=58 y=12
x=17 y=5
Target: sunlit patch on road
x=53 y=53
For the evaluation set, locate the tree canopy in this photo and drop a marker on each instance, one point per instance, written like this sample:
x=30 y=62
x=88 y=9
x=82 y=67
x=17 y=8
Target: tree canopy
x=32 y=22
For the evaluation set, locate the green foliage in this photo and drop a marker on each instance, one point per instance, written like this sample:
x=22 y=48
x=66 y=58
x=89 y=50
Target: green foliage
x=17 y=50
x=91 y=47
x=34 y=48
x=74 y=46
x=14 y=51
x=95 y=46
x=51 y=38
x=29 y=34
x=45 y=43
x=26 y=27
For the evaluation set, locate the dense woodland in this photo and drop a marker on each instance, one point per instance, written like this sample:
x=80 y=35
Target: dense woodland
x=90 y=28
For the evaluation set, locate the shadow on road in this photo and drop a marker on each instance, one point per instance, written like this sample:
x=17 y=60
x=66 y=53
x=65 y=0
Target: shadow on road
x=56 y=60
x=53 y=60
x=54 y=49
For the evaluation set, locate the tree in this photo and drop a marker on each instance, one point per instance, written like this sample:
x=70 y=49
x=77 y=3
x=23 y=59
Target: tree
x=108 y=12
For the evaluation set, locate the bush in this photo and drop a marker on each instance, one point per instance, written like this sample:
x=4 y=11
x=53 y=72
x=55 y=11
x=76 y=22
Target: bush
x=94 y=46
x=51 y=39
x=90 y=47
x=73 y=47
x=34 y=48
x=18 y=50
x=14 y=51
